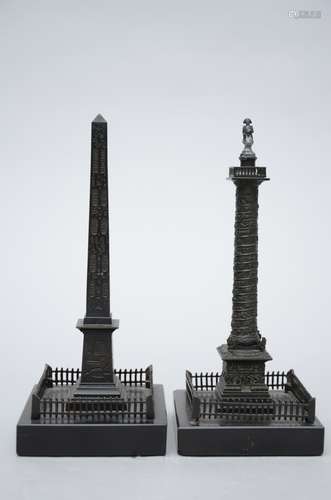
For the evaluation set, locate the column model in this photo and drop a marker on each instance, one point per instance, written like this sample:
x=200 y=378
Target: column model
x=244 y=355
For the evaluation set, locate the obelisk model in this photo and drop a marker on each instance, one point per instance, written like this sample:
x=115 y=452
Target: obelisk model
x=244 y=355
x=97 y=378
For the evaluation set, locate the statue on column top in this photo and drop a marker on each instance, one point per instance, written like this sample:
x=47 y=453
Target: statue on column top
x=247 y=141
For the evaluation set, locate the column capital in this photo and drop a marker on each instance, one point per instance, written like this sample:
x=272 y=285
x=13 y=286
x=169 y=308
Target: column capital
x=248 y=173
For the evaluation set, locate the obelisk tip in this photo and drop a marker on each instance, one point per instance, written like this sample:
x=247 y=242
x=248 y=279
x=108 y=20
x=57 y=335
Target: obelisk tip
x=99 y=119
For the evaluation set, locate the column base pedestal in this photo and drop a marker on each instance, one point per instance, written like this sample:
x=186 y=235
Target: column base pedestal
x=243 y=377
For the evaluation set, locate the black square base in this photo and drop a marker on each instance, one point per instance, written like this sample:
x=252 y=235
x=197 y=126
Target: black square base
x=274 y=439
x=102 y=440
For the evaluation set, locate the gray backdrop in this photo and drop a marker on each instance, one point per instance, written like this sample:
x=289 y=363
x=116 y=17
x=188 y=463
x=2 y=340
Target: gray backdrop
x=175 y=78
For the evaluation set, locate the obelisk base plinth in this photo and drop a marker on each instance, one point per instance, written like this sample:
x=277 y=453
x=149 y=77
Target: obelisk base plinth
x=114 y=391
x=98 y=379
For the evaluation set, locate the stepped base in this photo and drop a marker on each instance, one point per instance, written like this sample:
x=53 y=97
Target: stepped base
x=272 y=439
x=115 y=390
x=99 y=439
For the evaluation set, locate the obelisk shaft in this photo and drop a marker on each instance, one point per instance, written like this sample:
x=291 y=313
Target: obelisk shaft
x=97 y=296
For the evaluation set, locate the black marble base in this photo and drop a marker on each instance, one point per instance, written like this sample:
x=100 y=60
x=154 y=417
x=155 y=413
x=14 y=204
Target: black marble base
x=147 y=439
x=274 y=439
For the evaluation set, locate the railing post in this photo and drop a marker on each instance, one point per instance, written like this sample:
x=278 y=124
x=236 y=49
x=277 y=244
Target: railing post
x=189 y=386
x=48 y=377
x=35 y=407
x=195 y=405
x=150 y=407
x=311 y=411
x=289 y=380
x=149 y=377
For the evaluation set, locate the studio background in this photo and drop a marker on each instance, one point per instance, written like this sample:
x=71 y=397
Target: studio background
x=174 y=79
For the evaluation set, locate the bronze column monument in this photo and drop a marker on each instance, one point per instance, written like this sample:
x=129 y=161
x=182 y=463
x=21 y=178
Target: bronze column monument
x=244 y=355
x=245 y=410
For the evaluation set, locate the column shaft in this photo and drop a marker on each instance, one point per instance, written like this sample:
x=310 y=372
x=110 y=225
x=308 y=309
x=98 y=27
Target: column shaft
x=244 y=332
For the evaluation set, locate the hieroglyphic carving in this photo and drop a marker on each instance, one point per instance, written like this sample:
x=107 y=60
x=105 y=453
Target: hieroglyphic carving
x=97 y=302
x=97 y=364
